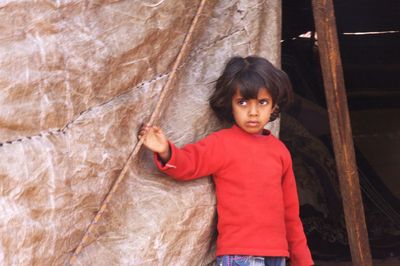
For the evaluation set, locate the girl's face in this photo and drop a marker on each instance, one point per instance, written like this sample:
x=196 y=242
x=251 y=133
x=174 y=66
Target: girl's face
x=252 y=115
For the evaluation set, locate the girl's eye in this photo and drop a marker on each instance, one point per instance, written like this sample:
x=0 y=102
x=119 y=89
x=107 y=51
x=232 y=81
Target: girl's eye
x=263 y=102
x=242 y=102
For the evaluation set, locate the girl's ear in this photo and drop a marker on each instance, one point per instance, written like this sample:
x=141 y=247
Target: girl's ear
x=275 y=113
x=275 y=108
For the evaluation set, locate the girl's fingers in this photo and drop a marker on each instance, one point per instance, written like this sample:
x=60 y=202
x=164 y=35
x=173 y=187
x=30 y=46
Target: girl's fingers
x=142 y=132
x=145 y=128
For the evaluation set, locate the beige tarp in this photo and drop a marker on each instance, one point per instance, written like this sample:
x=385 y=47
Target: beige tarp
x=76 y=80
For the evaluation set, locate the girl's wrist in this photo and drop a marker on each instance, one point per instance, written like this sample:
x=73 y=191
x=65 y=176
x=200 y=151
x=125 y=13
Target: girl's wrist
x=165 y=155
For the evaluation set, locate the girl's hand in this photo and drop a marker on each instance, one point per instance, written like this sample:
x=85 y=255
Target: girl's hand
x=155 y=140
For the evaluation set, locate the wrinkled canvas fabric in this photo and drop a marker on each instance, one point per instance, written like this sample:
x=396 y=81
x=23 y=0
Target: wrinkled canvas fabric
x=77 y=78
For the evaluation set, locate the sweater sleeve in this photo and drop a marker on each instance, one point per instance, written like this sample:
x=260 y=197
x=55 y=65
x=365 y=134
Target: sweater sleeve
x=299 y=252
x=193 y=160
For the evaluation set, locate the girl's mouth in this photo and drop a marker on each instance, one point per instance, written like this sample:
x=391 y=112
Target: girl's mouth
x=252 y=123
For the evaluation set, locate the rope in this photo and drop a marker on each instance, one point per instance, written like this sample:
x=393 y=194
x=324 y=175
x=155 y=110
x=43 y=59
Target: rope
x=180 y=58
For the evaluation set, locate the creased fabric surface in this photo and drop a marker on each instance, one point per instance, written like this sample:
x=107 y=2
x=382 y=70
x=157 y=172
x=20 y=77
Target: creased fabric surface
x=77 y=78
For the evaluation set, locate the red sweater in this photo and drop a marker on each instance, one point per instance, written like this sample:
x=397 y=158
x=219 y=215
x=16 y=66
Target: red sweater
x=257 y=202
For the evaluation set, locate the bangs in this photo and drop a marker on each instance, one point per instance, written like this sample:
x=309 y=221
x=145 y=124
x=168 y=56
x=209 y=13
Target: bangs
x=248 y=83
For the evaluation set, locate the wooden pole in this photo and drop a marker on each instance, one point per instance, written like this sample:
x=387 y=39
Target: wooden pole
x=341 y=131
x=182 y=55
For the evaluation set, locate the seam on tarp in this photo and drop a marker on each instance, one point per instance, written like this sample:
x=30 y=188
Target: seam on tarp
x=68 y=125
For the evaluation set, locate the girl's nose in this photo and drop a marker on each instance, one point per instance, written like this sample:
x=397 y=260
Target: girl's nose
x=253 y=111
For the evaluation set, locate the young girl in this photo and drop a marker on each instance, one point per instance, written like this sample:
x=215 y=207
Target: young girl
x=257 y=203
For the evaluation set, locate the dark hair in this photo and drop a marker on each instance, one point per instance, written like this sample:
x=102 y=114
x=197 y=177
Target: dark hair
x=249 y=75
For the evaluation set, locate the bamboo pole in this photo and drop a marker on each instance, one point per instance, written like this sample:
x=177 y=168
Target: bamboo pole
x=182 y=55
x=339 y=120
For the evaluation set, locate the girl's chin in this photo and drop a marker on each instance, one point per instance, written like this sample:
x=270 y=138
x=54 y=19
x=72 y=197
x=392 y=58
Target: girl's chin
x=253 y=130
